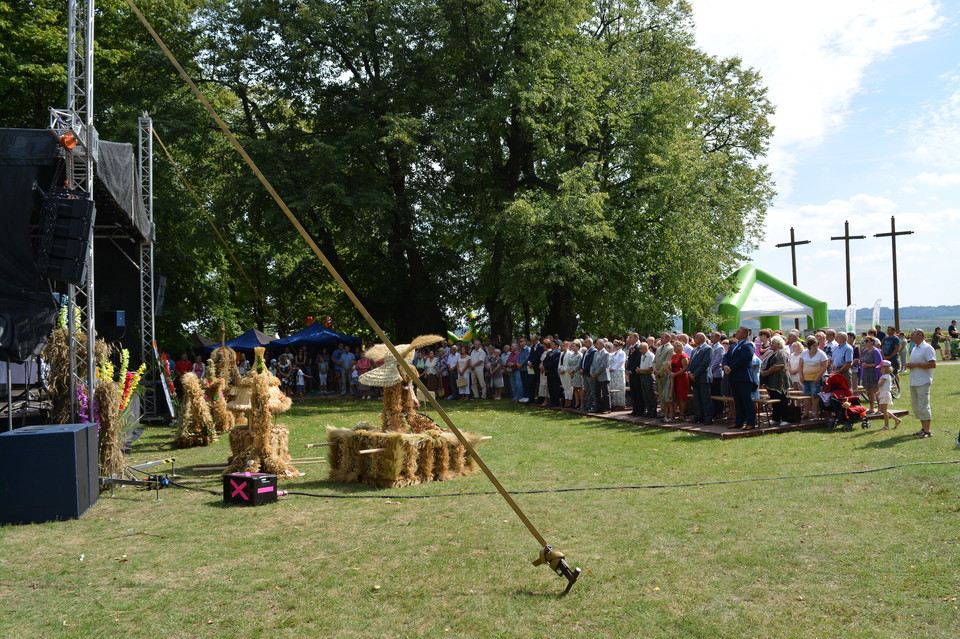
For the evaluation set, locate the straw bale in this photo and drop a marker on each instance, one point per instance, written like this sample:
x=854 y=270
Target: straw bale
x=107 y=397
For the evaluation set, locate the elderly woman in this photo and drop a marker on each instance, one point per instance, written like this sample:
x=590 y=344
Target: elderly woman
x=870 y=363
x=618 y=381
x=576 y=375
x=813 y=363
x=566 y=375
x=681 y=381
x=794 y=360
x=773 y=374
x=495 y=366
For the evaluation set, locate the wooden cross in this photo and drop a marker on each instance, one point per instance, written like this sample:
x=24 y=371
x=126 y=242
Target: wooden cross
x=893 y=241
x=846 y=237
x=793 y=244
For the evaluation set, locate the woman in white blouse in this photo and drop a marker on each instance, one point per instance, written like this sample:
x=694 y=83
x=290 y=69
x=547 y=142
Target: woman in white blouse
x=796 y=350
x=618 y=382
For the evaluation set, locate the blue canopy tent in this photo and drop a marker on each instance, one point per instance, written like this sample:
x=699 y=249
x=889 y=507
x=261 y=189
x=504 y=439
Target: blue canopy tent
x=316 y=335
x=245 y=343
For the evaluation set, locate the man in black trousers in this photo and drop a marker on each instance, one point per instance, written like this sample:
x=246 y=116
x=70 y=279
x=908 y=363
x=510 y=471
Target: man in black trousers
x=589 y=384
x=633 y=370
x=551 y=368
x=736 y=366
x=536 y=357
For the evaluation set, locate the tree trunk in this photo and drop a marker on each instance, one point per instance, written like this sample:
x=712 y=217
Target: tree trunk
x=561 y=321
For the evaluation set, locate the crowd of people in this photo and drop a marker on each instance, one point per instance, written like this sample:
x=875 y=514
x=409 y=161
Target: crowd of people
x=673 y=377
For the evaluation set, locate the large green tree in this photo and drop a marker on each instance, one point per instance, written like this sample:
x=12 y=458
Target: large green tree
x=559 y=164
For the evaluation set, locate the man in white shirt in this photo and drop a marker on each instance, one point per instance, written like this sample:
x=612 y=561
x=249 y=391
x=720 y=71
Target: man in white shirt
x=453 y=372
x=646 y=380
x=477 y=359
x=923 y=360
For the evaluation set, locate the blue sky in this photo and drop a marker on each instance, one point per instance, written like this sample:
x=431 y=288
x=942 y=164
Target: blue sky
x=867 y=126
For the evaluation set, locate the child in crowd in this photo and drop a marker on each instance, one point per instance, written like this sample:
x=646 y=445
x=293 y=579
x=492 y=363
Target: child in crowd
x=322 y=367
x=884 y=398
x=301 y=381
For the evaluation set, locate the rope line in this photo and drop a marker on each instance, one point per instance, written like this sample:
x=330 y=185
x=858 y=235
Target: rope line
x=206 y=214
x=577 y=489
x=336 y=276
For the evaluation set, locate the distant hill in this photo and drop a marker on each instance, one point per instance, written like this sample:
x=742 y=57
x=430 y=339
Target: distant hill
x=922 y=316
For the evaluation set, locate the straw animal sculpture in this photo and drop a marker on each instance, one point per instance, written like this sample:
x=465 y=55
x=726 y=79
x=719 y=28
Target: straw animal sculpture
x=107 y=397
x=261 y=445
x=225 y=362
x=194 y=424
x=414 y=448
x=216 y=401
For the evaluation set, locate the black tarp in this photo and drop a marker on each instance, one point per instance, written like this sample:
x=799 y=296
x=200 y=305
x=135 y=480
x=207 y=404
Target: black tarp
x=29 y=166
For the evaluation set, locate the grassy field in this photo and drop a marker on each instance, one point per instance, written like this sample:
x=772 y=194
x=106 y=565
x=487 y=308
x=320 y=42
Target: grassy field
x=855 y=555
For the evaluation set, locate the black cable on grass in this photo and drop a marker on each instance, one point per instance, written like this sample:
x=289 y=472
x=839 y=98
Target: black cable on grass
x=592 y=488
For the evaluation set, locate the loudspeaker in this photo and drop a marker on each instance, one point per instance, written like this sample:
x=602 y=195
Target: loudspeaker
x=50 y=472
x=159 y=292
x=65 y=224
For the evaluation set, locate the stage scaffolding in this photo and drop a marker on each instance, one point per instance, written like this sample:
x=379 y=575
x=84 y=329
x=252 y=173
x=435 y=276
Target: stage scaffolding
x=147 y=291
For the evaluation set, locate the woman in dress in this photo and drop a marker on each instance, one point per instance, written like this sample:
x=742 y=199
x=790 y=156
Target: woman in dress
x=443 y=372
x=431 y=377
x=576 y=375
x=566 y=379
x=776 y=379
x=813 y=363
x=678 y=373
x=870 y=364
x=618 y=382
x=495 y=366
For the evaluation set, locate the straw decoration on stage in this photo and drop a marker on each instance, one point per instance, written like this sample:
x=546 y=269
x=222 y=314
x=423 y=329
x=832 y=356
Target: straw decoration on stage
x=194 y=423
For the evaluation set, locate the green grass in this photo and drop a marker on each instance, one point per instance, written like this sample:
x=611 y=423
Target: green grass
x=873 y=555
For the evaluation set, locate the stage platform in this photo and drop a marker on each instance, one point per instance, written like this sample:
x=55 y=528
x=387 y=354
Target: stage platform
x=722 y=428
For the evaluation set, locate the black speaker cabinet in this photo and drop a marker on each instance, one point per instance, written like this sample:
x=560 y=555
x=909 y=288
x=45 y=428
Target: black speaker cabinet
x=50 y=472
x=65 y=238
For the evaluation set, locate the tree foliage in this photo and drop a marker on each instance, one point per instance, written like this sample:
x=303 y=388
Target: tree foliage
x=559 y=164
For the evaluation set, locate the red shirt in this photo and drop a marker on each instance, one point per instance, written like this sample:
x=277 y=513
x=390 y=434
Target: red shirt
x=184 y=367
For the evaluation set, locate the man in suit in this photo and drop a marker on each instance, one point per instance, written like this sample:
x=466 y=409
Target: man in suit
x=601 y=375
x=589 y=384
x=646 y=380
x=699 y=369
x=633 y=370
x=551 y=368
x=536 y=357
x=736 y=366
x=716 y=370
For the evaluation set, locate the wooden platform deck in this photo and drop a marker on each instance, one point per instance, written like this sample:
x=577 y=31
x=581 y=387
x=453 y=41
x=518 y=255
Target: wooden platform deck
x=720 y=428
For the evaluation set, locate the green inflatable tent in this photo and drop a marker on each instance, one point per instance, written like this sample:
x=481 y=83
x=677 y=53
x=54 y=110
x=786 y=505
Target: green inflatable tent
x=762 y=296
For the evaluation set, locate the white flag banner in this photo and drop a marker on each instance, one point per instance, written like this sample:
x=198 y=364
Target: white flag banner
x=852 y=318
x=876 y=314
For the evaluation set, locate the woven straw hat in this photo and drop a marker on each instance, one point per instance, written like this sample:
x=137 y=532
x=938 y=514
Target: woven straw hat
x=389 y=373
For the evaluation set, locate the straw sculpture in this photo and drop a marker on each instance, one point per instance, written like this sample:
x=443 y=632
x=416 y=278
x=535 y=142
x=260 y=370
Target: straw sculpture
x=225 y=361
x=107 y=398
x=410 y=447
x=216 y=400
x=194 y=424
x=261 y=445
x=56 y=352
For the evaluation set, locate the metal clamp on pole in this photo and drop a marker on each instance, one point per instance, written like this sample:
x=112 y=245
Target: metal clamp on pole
x=554 y=558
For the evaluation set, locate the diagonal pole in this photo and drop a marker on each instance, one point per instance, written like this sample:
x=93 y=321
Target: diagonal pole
x=793 y=244
x=547 y=555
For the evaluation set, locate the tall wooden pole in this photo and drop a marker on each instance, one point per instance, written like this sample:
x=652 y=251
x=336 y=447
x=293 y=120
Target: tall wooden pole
x=893 y=243
x=793 y=244
x=846 y=237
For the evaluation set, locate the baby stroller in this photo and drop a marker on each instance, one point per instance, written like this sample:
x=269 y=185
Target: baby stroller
x=842 y=405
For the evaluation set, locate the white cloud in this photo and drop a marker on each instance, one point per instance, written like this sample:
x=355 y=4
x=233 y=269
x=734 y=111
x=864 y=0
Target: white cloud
x=813 y=58
x=935 y=135
x=939 y=179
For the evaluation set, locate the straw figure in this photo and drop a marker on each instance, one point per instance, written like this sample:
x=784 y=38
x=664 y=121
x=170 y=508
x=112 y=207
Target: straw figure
x=216 y=401
x=107 y=398
x=261 y=445
x=56 y=352
x=408 y=447
x=194 y=424
x=225 y=363
x=399 y=400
